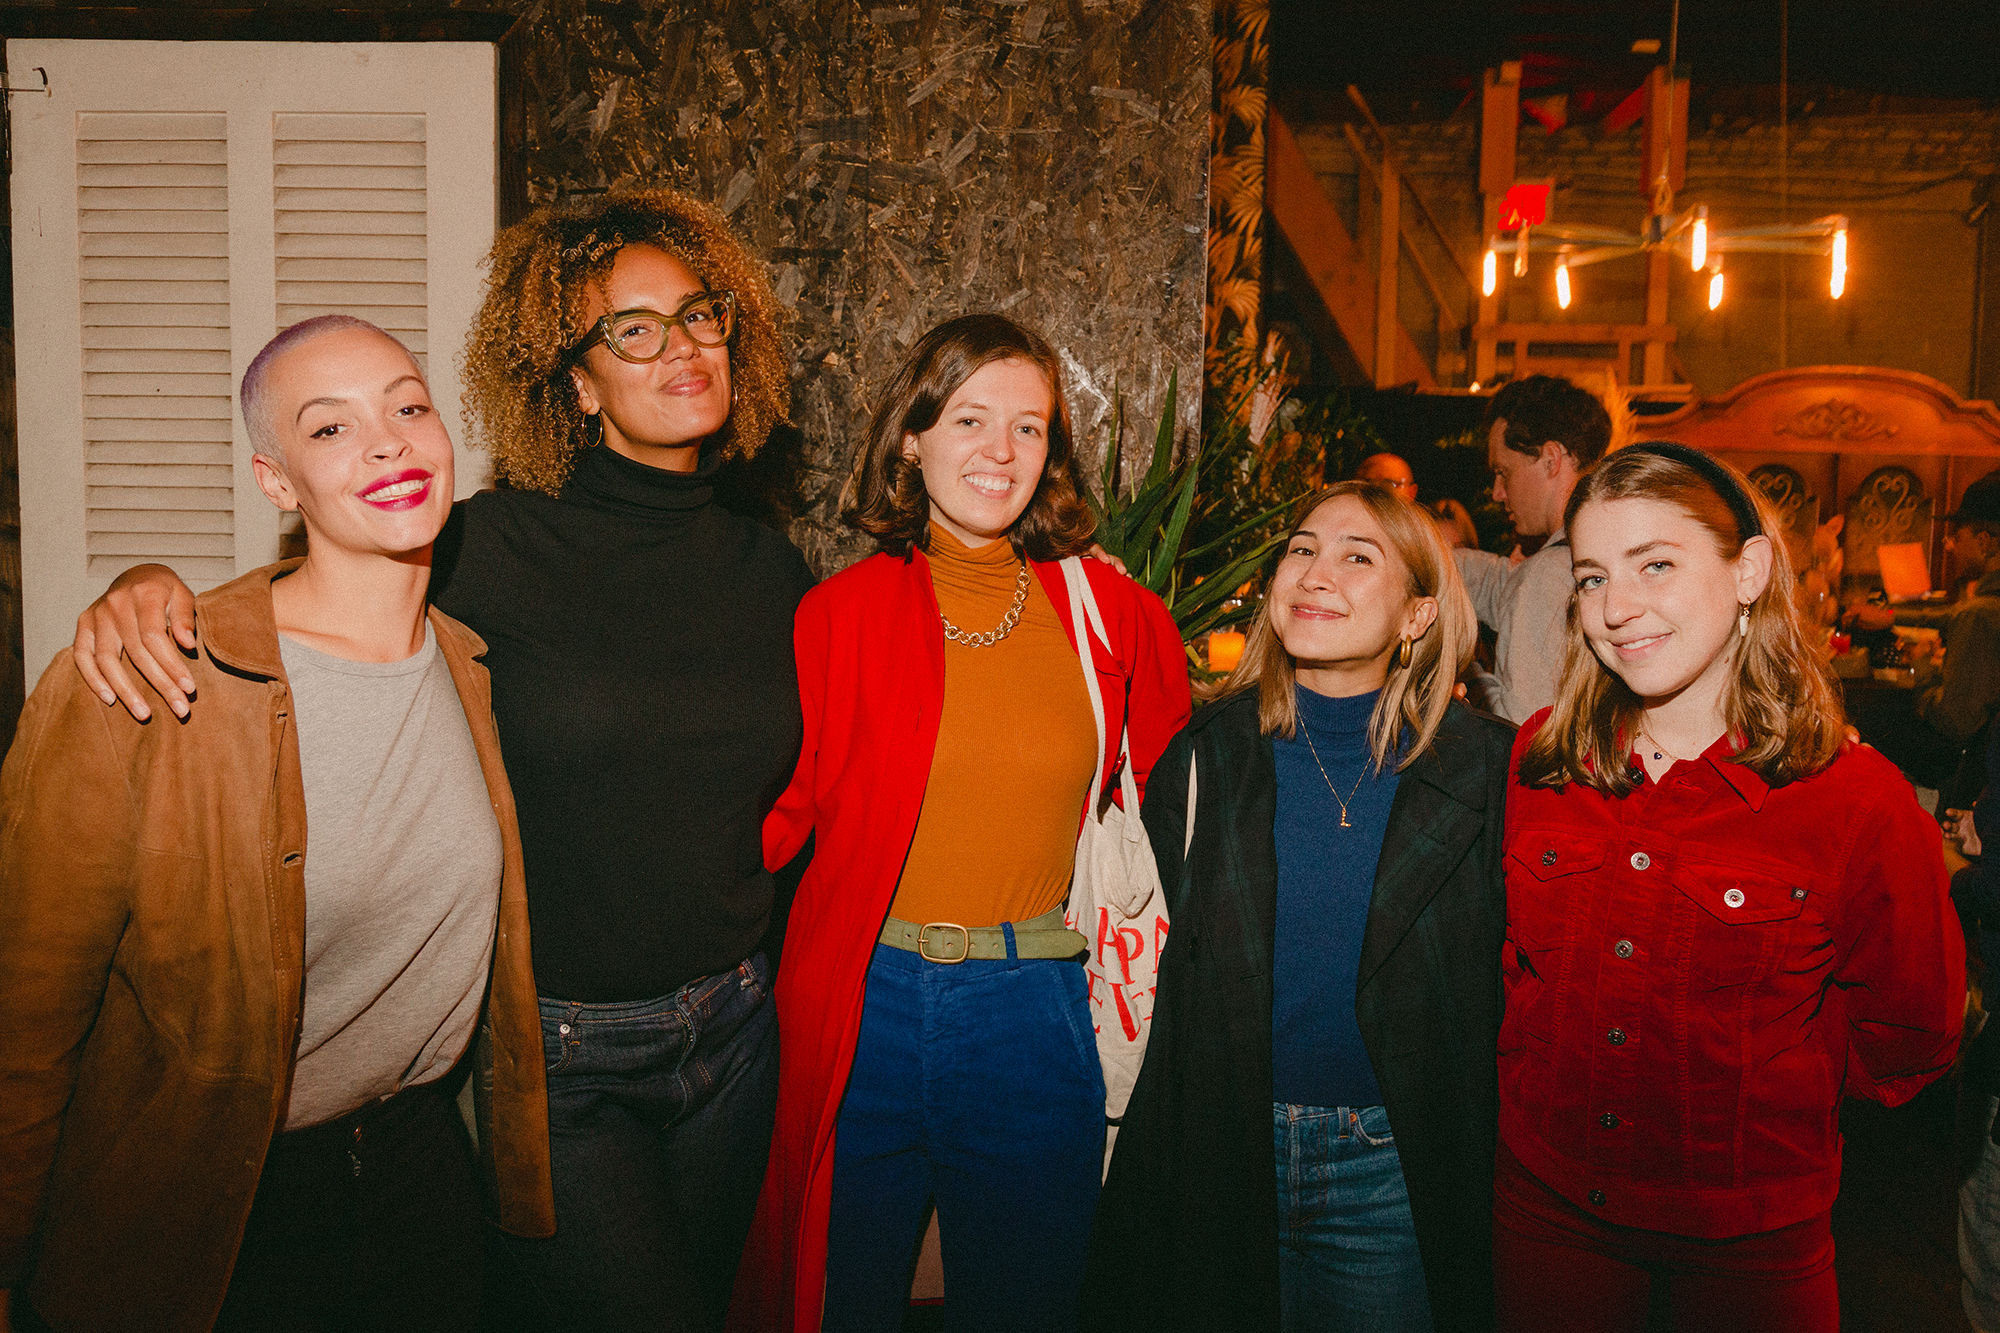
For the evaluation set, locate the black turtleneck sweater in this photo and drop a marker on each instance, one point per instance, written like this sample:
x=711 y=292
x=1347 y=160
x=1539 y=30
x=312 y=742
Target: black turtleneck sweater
x=640 y=642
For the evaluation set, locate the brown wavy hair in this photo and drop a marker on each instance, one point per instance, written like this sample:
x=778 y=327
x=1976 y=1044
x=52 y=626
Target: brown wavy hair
x=520 y=402
x=1414 y=698
x=887 y=499
x=1782 y=705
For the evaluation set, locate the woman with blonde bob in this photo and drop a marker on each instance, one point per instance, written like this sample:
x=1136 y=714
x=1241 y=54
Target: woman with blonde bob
x=1721 y=918
x=1310 y=1143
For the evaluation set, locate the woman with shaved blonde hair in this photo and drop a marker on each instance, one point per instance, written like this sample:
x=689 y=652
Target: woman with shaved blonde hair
x=639 y=638
x=1310 y=1143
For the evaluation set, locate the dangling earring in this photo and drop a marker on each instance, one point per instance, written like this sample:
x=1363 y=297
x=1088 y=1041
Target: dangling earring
x=1405 y=650
x=1743 y=621
x=588 y=419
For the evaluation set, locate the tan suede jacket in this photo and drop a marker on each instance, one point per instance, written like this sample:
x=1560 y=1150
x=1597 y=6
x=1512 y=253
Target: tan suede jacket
x=152 y=926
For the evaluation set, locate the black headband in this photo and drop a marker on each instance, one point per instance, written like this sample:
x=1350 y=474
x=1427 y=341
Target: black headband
x=1715 y=474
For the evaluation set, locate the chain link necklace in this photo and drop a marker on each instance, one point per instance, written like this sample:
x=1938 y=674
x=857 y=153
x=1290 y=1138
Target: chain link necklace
x=1329 y=781
x=953 y=634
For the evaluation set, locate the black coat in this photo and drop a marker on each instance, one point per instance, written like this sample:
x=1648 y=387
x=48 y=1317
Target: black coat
x=1187 y=1229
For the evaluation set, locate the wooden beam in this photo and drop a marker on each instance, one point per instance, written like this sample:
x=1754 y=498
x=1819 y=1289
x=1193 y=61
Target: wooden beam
x=1338 y=268
x=1654 y=360
x=1388 y=271
x=1578 y=333
x=1500 y=121
x=1447 y=313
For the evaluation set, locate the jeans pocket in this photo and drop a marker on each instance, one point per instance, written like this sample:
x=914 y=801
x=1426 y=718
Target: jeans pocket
x=559 y=1040
x=1370 y=1125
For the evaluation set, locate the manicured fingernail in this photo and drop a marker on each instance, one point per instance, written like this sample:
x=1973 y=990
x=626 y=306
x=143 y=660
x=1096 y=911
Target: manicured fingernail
x=107 y=696
x=187 y=684
x=180 y=709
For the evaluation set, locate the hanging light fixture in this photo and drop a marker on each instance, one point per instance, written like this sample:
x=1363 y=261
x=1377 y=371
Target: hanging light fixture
x=1686 y=233
x=1489 y=268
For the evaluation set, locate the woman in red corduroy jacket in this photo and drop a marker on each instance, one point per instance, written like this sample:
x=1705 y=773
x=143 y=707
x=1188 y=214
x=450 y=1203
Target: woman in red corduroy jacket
x=1721 y=917
x=936 y=1040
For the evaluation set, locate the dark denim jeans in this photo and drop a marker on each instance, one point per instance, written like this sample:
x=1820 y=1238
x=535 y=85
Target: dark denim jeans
x=659 y=1127
x=1347 y=1249
x=976 y=1085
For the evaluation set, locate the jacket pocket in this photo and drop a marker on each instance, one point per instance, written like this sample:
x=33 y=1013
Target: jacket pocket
x=1739 y=923
x=1548 y=873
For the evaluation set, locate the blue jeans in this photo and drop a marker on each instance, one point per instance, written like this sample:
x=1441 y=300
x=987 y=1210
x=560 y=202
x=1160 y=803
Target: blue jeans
x=1979 y=1232
x=659 y=1126
x=1347 y=1250
x=976 y=1085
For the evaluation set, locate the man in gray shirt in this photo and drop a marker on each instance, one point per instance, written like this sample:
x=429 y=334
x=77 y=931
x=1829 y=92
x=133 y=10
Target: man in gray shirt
x=1542 y=435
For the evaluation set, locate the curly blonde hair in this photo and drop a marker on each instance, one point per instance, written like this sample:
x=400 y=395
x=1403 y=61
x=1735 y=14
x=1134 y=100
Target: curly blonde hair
x=520 y=402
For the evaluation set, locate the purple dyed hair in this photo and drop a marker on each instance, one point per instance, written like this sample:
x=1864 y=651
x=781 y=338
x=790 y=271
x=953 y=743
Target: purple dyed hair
x=251 y=397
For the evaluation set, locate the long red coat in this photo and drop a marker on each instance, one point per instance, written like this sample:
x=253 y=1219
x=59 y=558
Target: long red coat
x=871 y=683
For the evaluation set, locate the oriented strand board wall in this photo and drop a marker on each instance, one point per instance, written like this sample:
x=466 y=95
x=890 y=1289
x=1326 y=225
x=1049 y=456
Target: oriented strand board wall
x=899 y=165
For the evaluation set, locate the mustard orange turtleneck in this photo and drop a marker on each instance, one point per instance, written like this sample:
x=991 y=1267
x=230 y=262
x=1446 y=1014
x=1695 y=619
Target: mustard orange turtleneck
x=1016 y=747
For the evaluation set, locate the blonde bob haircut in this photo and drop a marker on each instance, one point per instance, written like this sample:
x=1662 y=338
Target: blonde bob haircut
x=1781 y=706
x=1414 y=697
x=520 y=402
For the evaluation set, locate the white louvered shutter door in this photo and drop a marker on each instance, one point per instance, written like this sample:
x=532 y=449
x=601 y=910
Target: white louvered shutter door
x=175 y=204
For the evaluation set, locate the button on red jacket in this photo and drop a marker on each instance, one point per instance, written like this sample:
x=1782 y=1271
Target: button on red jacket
x=1697 y=971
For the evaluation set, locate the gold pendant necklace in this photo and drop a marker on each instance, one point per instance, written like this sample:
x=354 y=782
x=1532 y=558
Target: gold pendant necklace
x=1006 y=626
x=1329 y=781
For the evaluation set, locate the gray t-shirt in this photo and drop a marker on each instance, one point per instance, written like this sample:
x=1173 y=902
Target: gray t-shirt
x=1527 y=604
x=402 y=870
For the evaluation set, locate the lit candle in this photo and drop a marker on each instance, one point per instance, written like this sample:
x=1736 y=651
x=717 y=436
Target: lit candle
x=1225 y=650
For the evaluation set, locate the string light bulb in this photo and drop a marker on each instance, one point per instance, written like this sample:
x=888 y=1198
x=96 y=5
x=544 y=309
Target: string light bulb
x=1837 y=280
x=1715 y=283
x=1562 y=282
x=1698 y=243
x=1489 y=269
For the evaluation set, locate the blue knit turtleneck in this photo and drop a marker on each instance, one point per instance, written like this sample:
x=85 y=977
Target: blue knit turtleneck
x=1326 y=879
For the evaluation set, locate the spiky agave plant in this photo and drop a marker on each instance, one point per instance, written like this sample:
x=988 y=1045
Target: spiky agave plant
x=1147 y=524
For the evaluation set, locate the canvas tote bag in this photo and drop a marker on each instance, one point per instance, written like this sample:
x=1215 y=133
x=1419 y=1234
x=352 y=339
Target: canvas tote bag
x=1115 y=900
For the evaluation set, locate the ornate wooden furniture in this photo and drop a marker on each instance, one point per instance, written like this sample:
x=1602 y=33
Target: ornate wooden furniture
x=1891 y=449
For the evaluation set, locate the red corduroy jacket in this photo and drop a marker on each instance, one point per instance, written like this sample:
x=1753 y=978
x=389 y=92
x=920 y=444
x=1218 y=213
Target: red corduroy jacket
x=1697 y=971
x=871 y=684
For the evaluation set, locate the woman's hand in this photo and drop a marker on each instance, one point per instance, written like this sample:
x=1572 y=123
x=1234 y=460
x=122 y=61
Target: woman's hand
x=1958 y=828
x=1097 y=552
x=136 y=616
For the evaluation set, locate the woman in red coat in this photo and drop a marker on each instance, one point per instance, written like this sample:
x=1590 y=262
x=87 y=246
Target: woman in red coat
x=1721 y=917
x=936 y=1041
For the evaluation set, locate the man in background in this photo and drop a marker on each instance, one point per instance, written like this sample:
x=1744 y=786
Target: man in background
x=1542 y=435
x=1926 y=732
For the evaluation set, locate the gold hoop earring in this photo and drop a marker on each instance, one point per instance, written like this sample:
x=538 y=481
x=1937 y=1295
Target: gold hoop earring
x=1743 y=620
x=1405 y=650
x=588 y=419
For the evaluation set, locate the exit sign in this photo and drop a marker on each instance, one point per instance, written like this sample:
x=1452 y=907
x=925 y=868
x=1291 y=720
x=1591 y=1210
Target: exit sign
x=1526 y=204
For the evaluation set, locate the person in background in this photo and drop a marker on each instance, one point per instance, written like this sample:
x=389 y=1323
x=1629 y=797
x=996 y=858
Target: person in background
x=937 y=1038
x=1722 y=917
x=640 y=643
x=1394 y=472
x=1542 y=435
x=1310 y=1143
x=225 y=1100
x=1926 y=732
x=1976 y=891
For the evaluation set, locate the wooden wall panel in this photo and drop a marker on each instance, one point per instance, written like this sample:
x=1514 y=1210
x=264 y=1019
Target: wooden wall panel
x=897 y=165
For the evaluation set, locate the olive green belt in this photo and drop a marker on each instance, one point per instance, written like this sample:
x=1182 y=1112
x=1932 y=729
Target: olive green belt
x=948 y=942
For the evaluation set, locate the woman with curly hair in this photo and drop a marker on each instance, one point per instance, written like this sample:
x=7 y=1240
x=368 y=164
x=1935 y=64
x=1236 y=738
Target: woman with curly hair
x=965 y=692
x=640 y=643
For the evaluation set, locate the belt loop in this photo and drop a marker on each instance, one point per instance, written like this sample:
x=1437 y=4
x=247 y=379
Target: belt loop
x=1013 y=954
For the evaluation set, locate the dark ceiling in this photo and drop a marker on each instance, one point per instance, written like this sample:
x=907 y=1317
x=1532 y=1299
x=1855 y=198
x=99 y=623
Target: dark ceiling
x=1420 y=59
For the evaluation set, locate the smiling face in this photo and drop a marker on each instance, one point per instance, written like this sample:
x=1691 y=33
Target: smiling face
x=656 y=412
x=984 y=458
x=1340 y=600
x=1658 y=602
x=365 y=454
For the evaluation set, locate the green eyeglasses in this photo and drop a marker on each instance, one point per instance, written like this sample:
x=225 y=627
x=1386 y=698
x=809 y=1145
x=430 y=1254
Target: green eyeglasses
x=640 y=335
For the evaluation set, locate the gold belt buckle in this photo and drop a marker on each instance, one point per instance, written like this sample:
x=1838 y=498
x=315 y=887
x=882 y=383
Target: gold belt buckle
x=923 y=941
